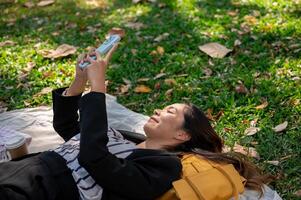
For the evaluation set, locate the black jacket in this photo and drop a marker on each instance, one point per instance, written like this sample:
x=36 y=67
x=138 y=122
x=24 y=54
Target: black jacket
x=144 y=174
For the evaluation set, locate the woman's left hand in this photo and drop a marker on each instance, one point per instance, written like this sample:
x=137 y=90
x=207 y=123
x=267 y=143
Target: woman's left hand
x=97 y=69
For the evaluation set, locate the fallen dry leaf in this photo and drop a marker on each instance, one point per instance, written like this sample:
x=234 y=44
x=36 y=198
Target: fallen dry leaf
x=256 y=13
x=162 y=5
x=226 y=149
x=153 y=52
x=96 y=3
x=29 y=4
x=248 y=151
x=214 y=117
x=142 y=89
x=25 y=71
x=160 y=50
x=286 y=157
x=294 y=102
x=298 y=193
x=232 y=13
x=273 y=162
x=157 y=86
x=135 y=25
x=159 y=75
x=143 y=79
x=44 y=91
x=29 y=67
x=228 y=129
x=45 y=3
x=253 y=122
x=3 y=107
x=182 y=75
x=215 y=50
x=61 y=51
x=123 y=89
x=168 y=93
x=237 y=43
x=209 y=114
x=47 y=74
x=127 y=81
x=161 y=37
x=207 y=71
x=253 y=153
x=218 y=115
x=250 y=19
x=294 y=46
x=22 y=77
x=134 y=51
x=170 y=81
x=26 y=103
x=7 y=43
x=251 y=131
x=241 y=89
x=281 y=127
x=244 y=28
x=263 y=105
x=210 y=62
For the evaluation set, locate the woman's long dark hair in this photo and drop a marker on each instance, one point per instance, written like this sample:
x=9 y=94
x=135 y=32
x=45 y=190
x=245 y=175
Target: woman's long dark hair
x=206 y=142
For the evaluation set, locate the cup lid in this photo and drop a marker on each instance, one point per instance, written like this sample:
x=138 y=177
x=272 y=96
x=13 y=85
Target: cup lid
x=15 y=142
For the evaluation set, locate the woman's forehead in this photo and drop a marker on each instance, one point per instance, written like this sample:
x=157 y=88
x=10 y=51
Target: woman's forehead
x=177 y=106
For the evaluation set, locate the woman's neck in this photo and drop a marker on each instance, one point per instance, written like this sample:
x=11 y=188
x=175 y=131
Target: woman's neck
x=150 y=144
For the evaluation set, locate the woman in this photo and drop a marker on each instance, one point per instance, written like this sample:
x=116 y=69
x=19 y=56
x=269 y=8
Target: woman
x=97 y=162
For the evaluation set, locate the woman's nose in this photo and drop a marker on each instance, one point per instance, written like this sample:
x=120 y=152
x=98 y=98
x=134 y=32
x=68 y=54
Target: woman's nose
x=157 y=111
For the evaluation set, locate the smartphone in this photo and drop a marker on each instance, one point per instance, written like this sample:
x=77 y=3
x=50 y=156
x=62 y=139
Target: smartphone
x=103 y=49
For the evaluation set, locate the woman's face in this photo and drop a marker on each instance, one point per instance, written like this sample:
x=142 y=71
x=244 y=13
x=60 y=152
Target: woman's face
x=166 y=126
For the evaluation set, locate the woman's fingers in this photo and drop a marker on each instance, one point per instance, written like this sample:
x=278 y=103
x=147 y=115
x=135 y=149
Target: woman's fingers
x=81 y=57
x=98 y=58
x=90 y=60
x=97 y=54
x=110 y=53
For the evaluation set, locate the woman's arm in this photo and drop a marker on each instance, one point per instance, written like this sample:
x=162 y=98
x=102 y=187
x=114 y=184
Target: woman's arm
x=145 y=174
x=65 y=117
x=65 y=104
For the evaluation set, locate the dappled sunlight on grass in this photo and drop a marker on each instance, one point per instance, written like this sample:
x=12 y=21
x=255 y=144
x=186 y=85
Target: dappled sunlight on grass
x=264 y=37
x=92 y=4
x=129 y=14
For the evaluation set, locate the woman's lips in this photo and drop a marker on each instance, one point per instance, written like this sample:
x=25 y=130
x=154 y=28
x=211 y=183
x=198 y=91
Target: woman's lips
x=154 y=119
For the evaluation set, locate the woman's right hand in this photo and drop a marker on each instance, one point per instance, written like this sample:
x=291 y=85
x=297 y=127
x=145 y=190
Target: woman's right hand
x=96 y=70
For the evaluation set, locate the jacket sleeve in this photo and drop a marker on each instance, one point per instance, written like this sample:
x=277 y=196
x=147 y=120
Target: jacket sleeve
x=65 y=116
x=133 y=179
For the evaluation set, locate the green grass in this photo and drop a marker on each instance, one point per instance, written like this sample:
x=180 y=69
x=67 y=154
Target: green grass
x=268 y=62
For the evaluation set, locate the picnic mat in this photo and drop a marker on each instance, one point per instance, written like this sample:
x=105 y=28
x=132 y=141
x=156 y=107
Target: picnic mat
x=37 y=122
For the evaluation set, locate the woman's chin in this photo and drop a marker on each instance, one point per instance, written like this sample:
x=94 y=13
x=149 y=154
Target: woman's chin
x=149 y=127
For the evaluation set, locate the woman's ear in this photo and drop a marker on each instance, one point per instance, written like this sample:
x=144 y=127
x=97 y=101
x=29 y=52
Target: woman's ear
x=183 y=136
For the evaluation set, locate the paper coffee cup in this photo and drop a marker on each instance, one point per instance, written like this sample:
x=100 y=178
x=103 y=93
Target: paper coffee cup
x=17 y=146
